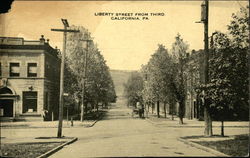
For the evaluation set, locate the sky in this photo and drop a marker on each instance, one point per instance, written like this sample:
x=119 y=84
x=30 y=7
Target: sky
x=125 y=44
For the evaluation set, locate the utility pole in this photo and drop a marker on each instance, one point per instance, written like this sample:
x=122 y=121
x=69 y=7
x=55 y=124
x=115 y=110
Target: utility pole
x=207 y=116
x=65 y=30
x=85 y=75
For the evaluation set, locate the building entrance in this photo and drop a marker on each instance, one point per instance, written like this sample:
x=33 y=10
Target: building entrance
x=6 y=107
x=6 y=102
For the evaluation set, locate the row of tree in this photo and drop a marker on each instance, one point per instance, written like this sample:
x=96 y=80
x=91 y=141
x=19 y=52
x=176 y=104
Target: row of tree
x=87 y=76
x=161 y=80
x=164 y=78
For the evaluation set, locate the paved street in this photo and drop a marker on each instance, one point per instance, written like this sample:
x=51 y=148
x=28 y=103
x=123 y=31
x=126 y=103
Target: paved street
x=119 y=135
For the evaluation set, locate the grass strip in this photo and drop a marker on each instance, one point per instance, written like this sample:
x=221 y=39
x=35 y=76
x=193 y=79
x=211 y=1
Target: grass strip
x=27 y=150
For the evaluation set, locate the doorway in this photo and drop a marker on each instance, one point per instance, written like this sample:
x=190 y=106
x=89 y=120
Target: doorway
x=6 y=107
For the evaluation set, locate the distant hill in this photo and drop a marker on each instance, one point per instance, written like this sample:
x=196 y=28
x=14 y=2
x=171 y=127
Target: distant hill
x=120 y=77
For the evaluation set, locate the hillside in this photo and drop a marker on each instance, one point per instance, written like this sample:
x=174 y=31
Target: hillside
x=120 y=77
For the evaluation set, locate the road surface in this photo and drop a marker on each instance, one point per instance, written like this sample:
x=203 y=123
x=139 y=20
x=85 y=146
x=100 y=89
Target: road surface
x=121 y=135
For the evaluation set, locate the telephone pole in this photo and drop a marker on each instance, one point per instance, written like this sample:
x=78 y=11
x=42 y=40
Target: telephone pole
x=207 y=116
x=85 y=75
x=65 y=30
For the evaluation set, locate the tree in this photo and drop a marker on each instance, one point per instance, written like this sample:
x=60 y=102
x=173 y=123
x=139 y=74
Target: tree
x=239 y=28
x=133 y=89
x=227 y=90
x=147 y=93
x=71 y=87
x=178 y=86
x=157 y=81
x=98 y=84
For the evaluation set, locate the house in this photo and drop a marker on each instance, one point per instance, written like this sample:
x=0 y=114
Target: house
x=30 y=77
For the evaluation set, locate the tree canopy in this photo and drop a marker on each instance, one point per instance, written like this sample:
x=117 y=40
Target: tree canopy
x=99 y=86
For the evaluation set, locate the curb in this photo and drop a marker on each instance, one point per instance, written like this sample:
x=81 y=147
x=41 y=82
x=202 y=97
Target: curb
x=92 y=124
x=52 y=151
x=20 y=127
x=215 y=152
x=192 y=126
x=27 y=125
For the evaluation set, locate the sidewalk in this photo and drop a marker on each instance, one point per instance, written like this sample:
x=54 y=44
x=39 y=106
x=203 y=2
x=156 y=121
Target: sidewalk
x=192 y=123
x=47 y=124
x=54 y=124
x=226 y=146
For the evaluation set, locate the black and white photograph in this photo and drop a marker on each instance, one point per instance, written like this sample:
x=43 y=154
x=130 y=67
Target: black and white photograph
x=123 y=78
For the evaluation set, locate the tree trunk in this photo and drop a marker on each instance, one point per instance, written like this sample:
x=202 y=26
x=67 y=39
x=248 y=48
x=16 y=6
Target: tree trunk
x=222 y=128
x=152 y=108
x=158 y=109
x=208 y=122
x=147 y=110
x=165 y=110
x=82 y=112
x=181 y=121
x=181 y=111
x=172 y=111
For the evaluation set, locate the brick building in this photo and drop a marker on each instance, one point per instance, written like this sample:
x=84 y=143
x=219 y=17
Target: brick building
x=195 y=75
x=29 y=73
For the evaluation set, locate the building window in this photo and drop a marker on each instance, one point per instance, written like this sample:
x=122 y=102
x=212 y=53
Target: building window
x=32 y=70
x=14 y=70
